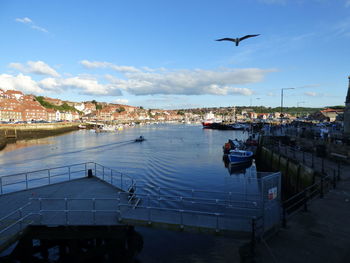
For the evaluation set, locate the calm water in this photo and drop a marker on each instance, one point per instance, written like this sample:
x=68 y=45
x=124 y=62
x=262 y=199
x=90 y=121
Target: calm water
x=175 y=156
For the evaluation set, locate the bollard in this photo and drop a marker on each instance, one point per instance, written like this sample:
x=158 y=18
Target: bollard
x=322 y=165
x=90 y=173
x=321 y=187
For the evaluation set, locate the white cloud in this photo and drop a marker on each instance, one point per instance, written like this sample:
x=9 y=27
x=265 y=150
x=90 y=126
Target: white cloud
x=24 y=20
x=36 y=67
x=271 y=94
x=99 y=64
x=29 y=22
x=121 y=101
x=20 y=82
x=310 y=94
x=85 y=85
x=190 y=82
x=39 y=28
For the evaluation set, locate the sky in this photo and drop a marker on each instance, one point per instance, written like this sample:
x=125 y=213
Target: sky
x=163 y=54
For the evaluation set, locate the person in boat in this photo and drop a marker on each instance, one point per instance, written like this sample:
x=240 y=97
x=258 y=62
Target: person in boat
x=227 y=148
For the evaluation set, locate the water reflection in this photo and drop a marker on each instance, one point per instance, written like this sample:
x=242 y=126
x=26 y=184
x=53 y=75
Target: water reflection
x=237 y=169
x=25 y=144
x=77 y=244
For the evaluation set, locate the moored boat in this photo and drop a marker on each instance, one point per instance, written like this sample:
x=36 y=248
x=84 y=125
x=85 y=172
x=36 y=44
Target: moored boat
x=240 y=156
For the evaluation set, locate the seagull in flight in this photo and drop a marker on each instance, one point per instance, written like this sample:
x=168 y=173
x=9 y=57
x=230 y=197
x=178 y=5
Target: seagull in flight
x=237 y=40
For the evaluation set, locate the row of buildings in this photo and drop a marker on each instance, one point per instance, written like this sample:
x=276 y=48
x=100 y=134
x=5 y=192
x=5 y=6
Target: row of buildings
x=18 y=107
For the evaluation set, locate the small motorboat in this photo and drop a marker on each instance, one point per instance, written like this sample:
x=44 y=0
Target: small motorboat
x=233 y=145
x=240 y=156
x=140 y=139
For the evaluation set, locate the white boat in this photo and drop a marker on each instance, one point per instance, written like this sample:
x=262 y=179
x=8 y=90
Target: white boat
x=240 y=156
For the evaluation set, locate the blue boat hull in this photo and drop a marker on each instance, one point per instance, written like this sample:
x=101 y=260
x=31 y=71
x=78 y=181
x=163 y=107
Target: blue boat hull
x=234 y=159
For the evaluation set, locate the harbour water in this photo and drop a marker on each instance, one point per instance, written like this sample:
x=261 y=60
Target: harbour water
x=173 y=156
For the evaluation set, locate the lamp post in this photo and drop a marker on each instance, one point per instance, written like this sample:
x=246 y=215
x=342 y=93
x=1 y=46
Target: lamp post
x=282 y=102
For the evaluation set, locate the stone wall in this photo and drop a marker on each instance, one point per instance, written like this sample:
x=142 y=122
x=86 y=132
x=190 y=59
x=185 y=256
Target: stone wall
x=33 y=131
x=295 y=176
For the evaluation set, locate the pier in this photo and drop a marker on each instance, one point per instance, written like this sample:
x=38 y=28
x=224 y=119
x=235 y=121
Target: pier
x=93 y=195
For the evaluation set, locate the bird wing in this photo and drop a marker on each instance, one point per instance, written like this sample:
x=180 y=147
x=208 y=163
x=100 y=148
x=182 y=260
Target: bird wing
x=226 y=38
x=248 y=36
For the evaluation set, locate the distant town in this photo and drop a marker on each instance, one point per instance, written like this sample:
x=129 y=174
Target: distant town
x=16 y=107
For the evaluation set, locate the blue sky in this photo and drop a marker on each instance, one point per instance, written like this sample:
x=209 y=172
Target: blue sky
x=163 y=54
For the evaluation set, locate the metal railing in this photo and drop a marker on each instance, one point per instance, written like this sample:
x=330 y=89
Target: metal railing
x=301 y=200
x=32 y=179
x=69 y=211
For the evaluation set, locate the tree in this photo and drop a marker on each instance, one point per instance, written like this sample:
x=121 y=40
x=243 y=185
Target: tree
x=120 y=109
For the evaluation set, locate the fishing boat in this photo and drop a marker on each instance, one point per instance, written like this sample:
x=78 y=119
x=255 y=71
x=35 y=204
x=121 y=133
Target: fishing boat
x=240 y=156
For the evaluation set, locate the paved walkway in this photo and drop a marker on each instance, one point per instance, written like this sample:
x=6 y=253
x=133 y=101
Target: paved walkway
x=320 y=235
x=80 y=188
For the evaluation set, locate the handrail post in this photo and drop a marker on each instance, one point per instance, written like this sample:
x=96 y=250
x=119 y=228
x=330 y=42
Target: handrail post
x=40 y=204
x=69 y=173
x=103 y=173
x=111 y=177
x=322 y=165
x=181 y=219
x=66 y=209
x=26 y=180
x=149 y=215
x=66 y=212
x=217 y=222
x=1 y=191
x=95 y=170
x=49 y=175
x=121 y=181
x=94 y=211
x=86 y=169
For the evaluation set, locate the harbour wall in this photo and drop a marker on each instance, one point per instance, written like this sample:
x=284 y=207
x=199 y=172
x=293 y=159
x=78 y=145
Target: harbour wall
x=12 y=132
x=295 y=175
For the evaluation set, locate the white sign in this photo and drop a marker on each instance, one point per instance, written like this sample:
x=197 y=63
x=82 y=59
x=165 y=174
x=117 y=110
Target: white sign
x=272 y=193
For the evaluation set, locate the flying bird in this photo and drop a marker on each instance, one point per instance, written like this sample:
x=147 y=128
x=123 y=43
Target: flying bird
x=237 y=40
